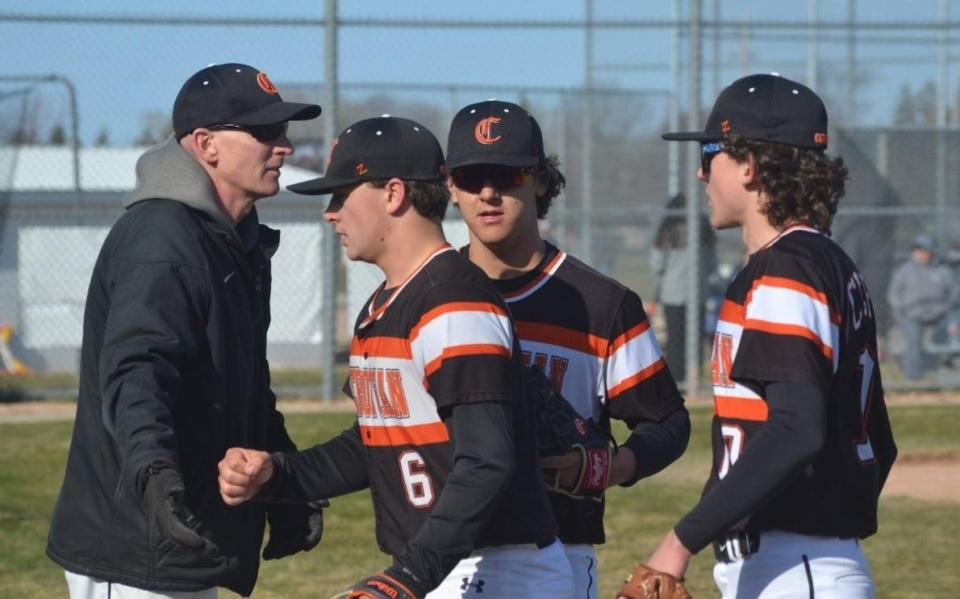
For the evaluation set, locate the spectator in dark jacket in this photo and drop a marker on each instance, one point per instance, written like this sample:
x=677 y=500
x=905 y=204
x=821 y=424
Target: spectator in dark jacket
x=173 y=366
x=920 y=294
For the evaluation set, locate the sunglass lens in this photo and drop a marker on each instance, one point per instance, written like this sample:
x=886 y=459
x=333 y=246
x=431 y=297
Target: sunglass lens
x=473 y=178
x=707 y=154
x=266 y=133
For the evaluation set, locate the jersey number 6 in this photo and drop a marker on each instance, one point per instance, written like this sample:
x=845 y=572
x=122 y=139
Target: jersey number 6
x=417 y=484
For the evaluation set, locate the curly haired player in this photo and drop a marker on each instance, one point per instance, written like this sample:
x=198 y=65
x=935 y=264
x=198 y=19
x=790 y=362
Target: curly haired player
x=802 y=443
x=587 y=332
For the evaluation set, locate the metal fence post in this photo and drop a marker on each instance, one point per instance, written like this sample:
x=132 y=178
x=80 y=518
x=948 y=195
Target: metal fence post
x=693 y=210
x=329 y=251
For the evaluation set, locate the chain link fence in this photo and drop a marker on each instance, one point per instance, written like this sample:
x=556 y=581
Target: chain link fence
x=63 y=174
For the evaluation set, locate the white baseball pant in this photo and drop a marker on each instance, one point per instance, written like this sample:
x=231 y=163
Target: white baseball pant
x=789 y=565
x=510 y=571
x=84 y=587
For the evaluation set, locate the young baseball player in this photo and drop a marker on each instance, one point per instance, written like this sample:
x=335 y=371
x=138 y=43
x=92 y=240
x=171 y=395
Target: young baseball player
x=801 y=440
x=443 y=437
x=587 y=332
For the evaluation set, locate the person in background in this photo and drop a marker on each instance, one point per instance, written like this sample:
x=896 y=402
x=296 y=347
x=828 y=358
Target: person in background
x=670 y=265
x=921 y=294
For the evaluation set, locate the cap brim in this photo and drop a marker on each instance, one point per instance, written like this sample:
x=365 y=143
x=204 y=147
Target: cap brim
x=485 y=158
x=279 y=112
x=322 y=185
x=692 y=136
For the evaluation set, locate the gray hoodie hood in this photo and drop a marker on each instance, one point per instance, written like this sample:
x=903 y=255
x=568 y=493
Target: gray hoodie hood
x=167 y=171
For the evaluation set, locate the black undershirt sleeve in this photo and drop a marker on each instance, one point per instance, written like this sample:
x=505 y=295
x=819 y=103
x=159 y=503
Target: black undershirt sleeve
x=335 y=467
x=482 y=439
x=794 y=433
x=656 y=445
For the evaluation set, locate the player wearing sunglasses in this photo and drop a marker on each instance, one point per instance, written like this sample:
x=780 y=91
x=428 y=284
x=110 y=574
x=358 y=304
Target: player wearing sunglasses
x=587 y=332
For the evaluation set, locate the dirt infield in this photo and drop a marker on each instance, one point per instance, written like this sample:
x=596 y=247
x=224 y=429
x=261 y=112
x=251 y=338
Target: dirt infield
x=927 y=477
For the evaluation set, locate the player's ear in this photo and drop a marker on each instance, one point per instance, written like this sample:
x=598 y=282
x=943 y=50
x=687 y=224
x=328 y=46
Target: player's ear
x=396 y=195
x=749 y=172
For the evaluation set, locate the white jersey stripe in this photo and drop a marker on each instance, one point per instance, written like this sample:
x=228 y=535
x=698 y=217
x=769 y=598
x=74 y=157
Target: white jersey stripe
x=634 y=356
x=458 y=328
x=539 y=282
x=778 y=309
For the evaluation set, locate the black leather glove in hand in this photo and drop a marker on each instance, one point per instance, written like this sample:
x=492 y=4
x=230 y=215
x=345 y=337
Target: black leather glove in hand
x=163 y=501
x=294 y=528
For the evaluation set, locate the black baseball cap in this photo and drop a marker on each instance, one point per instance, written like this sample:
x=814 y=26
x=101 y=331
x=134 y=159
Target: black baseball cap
x=766 y=108
x=236 y=94
x=377 y=149
x=494 y=132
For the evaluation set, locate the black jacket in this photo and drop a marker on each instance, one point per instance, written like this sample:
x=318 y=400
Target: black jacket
x=173 y=369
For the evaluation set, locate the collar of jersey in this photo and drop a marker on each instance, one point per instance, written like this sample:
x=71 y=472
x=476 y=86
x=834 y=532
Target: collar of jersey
x=544 y=272
x=374 y=315
x=789 y=230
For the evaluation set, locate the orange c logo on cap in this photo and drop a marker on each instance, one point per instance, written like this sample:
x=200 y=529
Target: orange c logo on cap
x=820 y=138
x=265 y=84
x=361 y=168
x=725 y=126
x=484 y=128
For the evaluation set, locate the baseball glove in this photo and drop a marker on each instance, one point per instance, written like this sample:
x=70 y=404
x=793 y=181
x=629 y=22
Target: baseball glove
x=561 y=430
x=379 y=586
x=646 y=583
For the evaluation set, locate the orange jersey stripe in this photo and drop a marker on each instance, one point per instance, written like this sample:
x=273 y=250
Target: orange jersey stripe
x=790 y=329
x=631 y=333
x=740 y=408
x=785 y=283
x=546 y=272
x=381 y=347
x=474 y=349
x=393 y=436
x=563 y=337
x=732 y=312
x=455 y=307
x=636 y=379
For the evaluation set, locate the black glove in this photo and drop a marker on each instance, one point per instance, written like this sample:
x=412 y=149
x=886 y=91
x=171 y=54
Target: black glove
x=163 y=500
x=294 y=528
x=561 y=430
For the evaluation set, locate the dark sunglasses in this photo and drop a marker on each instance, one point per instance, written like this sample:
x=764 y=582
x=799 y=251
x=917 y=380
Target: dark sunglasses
x=707 y=153
x=262 y=133
x=473 y=178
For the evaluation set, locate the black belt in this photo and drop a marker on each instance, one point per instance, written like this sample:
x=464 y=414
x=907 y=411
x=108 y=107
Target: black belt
x=736 y=546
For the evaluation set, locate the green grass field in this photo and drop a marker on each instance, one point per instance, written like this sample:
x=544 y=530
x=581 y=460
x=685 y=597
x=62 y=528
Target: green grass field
x=910 y=556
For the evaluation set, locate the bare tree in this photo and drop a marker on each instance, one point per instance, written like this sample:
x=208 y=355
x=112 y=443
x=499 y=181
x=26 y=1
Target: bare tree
x=155 y=126
x=103 y=138
x=58 y=135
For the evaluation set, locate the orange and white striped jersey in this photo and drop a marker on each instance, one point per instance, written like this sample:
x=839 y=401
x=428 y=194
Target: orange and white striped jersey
x=592 y=338
x=443 y=337
x=799 y=311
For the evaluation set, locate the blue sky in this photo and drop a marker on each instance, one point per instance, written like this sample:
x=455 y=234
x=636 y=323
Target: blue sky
x=122 y=72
